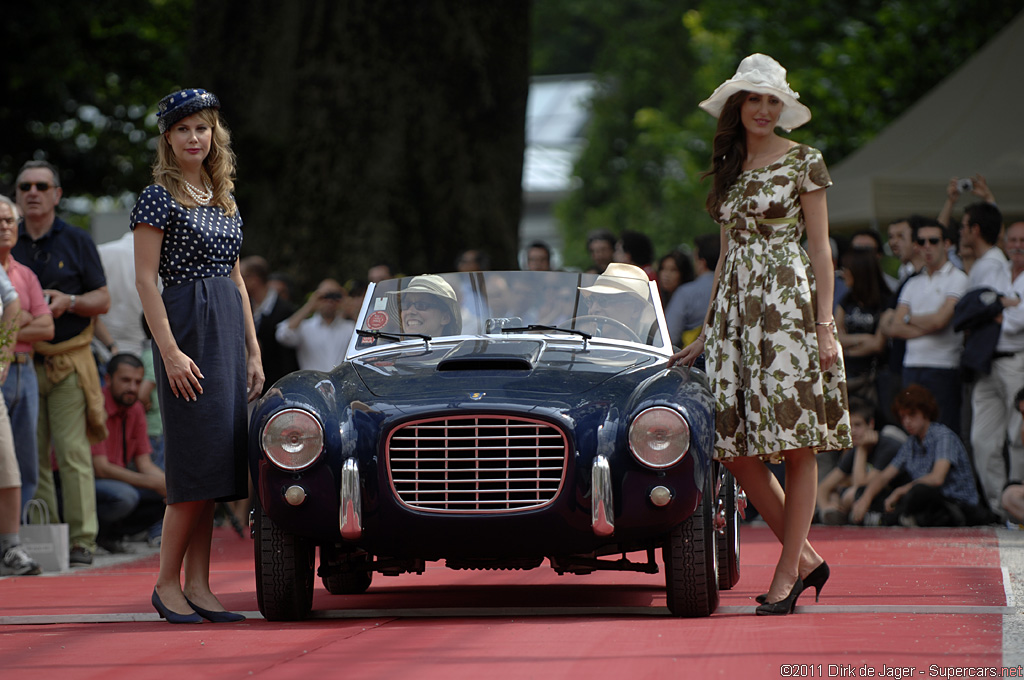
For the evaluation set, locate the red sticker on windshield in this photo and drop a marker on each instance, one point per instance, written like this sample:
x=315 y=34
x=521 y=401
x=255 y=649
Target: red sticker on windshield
x=377 y=320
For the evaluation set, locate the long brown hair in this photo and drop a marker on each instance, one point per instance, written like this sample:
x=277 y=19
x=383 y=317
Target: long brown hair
x=729 y=150
x=218 y=166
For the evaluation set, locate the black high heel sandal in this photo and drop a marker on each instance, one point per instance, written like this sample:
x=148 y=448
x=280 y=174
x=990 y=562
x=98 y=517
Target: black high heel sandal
x=784 y=606
x=816 y=579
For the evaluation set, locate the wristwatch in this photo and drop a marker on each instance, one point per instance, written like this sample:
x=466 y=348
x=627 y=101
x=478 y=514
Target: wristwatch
x=71 y=307
x=906 y=319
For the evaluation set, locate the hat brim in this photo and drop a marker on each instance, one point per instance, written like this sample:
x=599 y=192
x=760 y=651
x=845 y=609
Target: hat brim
x=794 y=114
x=208 y=101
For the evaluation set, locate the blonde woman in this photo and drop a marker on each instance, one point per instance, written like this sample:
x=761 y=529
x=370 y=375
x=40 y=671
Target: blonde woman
x=188 y=232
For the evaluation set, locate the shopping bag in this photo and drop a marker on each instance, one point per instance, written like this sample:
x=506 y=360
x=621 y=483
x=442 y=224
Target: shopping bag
x=47 y=543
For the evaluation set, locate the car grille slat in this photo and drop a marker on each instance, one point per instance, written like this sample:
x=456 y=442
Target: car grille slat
x=477 y=464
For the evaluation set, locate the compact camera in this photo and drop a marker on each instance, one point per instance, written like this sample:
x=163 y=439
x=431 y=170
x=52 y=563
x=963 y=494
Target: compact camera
x=964 y=185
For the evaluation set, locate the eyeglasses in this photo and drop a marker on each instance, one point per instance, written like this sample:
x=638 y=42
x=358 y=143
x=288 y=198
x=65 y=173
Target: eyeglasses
x=8 y=220
x=41 y=186
x=934 y=240
x=421 y=305
x=331 y=296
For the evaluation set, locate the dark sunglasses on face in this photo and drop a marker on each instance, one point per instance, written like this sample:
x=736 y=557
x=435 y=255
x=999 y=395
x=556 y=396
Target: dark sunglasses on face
x=331 y=296
x=934 y=240
x=421 y=305
x=40 y=186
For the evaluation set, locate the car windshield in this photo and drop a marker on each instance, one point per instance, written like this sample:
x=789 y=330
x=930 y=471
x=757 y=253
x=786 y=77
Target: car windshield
x=568 y=304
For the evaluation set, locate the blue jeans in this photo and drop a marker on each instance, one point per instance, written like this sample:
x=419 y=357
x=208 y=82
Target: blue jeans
x=21 y=392
x=945 y=386
x=124 y=509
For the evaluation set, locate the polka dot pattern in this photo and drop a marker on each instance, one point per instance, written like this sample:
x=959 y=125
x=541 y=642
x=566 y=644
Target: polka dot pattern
x=198 y=242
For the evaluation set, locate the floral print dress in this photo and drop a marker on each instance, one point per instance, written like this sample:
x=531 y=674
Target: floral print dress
x=771 y=394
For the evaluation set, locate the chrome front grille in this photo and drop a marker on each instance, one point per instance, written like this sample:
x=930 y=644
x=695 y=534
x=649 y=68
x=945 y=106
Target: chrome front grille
x=477 y=464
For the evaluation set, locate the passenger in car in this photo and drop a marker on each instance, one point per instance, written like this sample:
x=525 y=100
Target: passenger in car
x=429 y=306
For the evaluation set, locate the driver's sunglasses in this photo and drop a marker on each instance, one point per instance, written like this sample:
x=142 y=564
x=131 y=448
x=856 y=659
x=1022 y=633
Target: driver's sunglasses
x=422 y=305
x=934 y=240
x=40 y=186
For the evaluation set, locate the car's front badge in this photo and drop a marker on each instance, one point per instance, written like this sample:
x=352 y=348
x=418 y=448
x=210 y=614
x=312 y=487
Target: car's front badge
x=477 y=396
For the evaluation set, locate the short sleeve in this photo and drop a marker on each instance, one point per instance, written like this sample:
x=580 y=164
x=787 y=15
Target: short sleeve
x=154 y=207
x=814 y=174
x=7 y=292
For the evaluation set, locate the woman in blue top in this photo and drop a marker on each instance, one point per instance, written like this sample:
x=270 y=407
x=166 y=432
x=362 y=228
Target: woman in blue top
x=188 y=231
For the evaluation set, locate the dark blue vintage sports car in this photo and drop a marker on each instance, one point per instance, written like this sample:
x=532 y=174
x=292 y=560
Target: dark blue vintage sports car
x=494 y=420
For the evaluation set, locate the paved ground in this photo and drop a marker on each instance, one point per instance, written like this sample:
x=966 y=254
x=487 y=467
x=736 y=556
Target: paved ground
x=898 y=598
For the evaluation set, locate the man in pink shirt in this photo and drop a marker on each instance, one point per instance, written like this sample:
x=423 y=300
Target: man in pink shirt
x=21 y=389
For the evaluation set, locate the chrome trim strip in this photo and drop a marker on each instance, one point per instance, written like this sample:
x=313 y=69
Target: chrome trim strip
x=351 y=513
x=602 y=508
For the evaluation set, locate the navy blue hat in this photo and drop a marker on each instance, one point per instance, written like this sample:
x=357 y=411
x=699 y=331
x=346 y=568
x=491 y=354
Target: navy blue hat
x=178 y=105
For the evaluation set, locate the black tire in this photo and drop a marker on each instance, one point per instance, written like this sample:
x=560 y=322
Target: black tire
x=347 y=582
x=284 y=571
x=728 y=536
x=691 y=569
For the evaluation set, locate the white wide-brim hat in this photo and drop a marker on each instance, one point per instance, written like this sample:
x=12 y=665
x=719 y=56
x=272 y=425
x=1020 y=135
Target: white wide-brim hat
x=620 y=278
x=762 y=74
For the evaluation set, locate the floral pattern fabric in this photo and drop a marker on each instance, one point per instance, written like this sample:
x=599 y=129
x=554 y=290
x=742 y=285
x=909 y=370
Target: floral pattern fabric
x=771 y=394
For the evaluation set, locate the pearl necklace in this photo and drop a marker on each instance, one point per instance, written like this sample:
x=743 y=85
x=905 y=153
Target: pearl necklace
x=199 y=196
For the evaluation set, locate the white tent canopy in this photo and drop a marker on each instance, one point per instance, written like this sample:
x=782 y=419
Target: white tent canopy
x=970 y=123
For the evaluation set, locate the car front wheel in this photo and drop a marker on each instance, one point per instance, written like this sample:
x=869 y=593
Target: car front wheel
x=284 y=571
x=691 y=560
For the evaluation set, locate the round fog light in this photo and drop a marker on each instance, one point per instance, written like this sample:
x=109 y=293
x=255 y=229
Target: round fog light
x=661 y=496
x=295 y=495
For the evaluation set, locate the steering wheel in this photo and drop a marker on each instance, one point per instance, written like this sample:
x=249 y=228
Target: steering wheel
x=602 y=321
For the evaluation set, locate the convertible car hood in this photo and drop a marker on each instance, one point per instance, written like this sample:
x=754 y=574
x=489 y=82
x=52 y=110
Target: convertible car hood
x=510 y=365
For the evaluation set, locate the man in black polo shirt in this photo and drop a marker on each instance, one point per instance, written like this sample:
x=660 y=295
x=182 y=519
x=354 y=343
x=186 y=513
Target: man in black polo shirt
x=71 y=412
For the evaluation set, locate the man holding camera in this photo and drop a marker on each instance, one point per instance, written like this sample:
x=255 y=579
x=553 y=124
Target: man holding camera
x=320 y=340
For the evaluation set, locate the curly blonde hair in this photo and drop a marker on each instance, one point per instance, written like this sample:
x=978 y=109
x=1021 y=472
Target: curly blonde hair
x=218 y=167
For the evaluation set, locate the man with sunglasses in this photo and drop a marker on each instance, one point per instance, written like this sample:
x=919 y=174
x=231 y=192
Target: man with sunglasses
x=320 y=340
x=71 y=412
x=923 y=317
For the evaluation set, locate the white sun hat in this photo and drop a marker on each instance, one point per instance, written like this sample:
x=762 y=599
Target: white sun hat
x=619 y=278
x=762 y=74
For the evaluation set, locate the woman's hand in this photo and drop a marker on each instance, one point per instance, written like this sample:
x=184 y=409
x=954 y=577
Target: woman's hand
x=183 y=375
x=254 y=376
x=687 y=355
x=828 y=348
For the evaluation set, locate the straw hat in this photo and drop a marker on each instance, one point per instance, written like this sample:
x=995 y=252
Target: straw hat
x=620 y=278
x=762 y=74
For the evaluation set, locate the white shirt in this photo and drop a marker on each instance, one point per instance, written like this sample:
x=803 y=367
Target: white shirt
x=124 y=319
x=1011 y=336
x=924 y=294
x=319 y=346
x=991 y=270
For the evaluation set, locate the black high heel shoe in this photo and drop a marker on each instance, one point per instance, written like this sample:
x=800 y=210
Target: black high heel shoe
x=784 y=606
x=173 y=617
x=816 y=579
x=215 y=617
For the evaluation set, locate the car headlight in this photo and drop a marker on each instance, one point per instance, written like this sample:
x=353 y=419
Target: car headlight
x=293 y=439
x=659 y=437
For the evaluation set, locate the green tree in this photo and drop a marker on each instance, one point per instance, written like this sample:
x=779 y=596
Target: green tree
x=81 y=83
x=371 y=130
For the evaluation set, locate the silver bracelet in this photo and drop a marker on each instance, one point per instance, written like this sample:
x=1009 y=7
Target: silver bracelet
x=826 y=323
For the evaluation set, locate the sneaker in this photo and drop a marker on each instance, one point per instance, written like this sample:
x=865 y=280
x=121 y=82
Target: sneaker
x=872 y=519
x=17 y=562
x=154 y=541
x=115 y=546
x=80 y=556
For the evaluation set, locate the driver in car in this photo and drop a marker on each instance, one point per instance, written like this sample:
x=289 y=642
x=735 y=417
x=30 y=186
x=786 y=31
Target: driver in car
x=429 y=306
x=621 y=294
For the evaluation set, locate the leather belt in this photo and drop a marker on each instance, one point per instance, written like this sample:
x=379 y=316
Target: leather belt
x=1003 y=355
x=22 y=358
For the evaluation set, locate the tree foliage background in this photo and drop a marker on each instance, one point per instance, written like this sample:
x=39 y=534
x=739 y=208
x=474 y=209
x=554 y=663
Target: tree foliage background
x=369 y=130
x=858 y=64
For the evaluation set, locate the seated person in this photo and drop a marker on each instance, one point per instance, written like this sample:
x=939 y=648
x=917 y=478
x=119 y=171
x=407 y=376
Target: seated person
x=622 y=295
x=872 y=452
x=428 y=306
x=130 y=488
x=935 y=485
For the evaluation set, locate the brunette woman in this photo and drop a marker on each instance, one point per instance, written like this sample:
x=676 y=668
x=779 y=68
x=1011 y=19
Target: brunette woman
x=773 y=358
x=188 y=231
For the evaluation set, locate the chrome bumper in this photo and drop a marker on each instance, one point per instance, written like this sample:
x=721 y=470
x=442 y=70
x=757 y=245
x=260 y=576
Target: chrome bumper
x=351 y=513
x=602 y=508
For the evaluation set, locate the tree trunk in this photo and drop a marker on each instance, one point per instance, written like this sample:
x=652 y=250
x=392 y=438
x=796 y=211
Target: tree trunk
x=371 y=130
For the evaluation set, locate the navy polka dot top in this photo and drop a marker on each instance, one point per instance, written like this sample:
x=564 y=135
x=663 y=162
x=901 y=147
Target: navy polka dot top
x=198 y=242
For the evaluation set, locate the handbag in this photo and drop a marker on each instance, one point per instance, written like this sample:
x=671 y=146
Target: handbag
x=45 y=542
